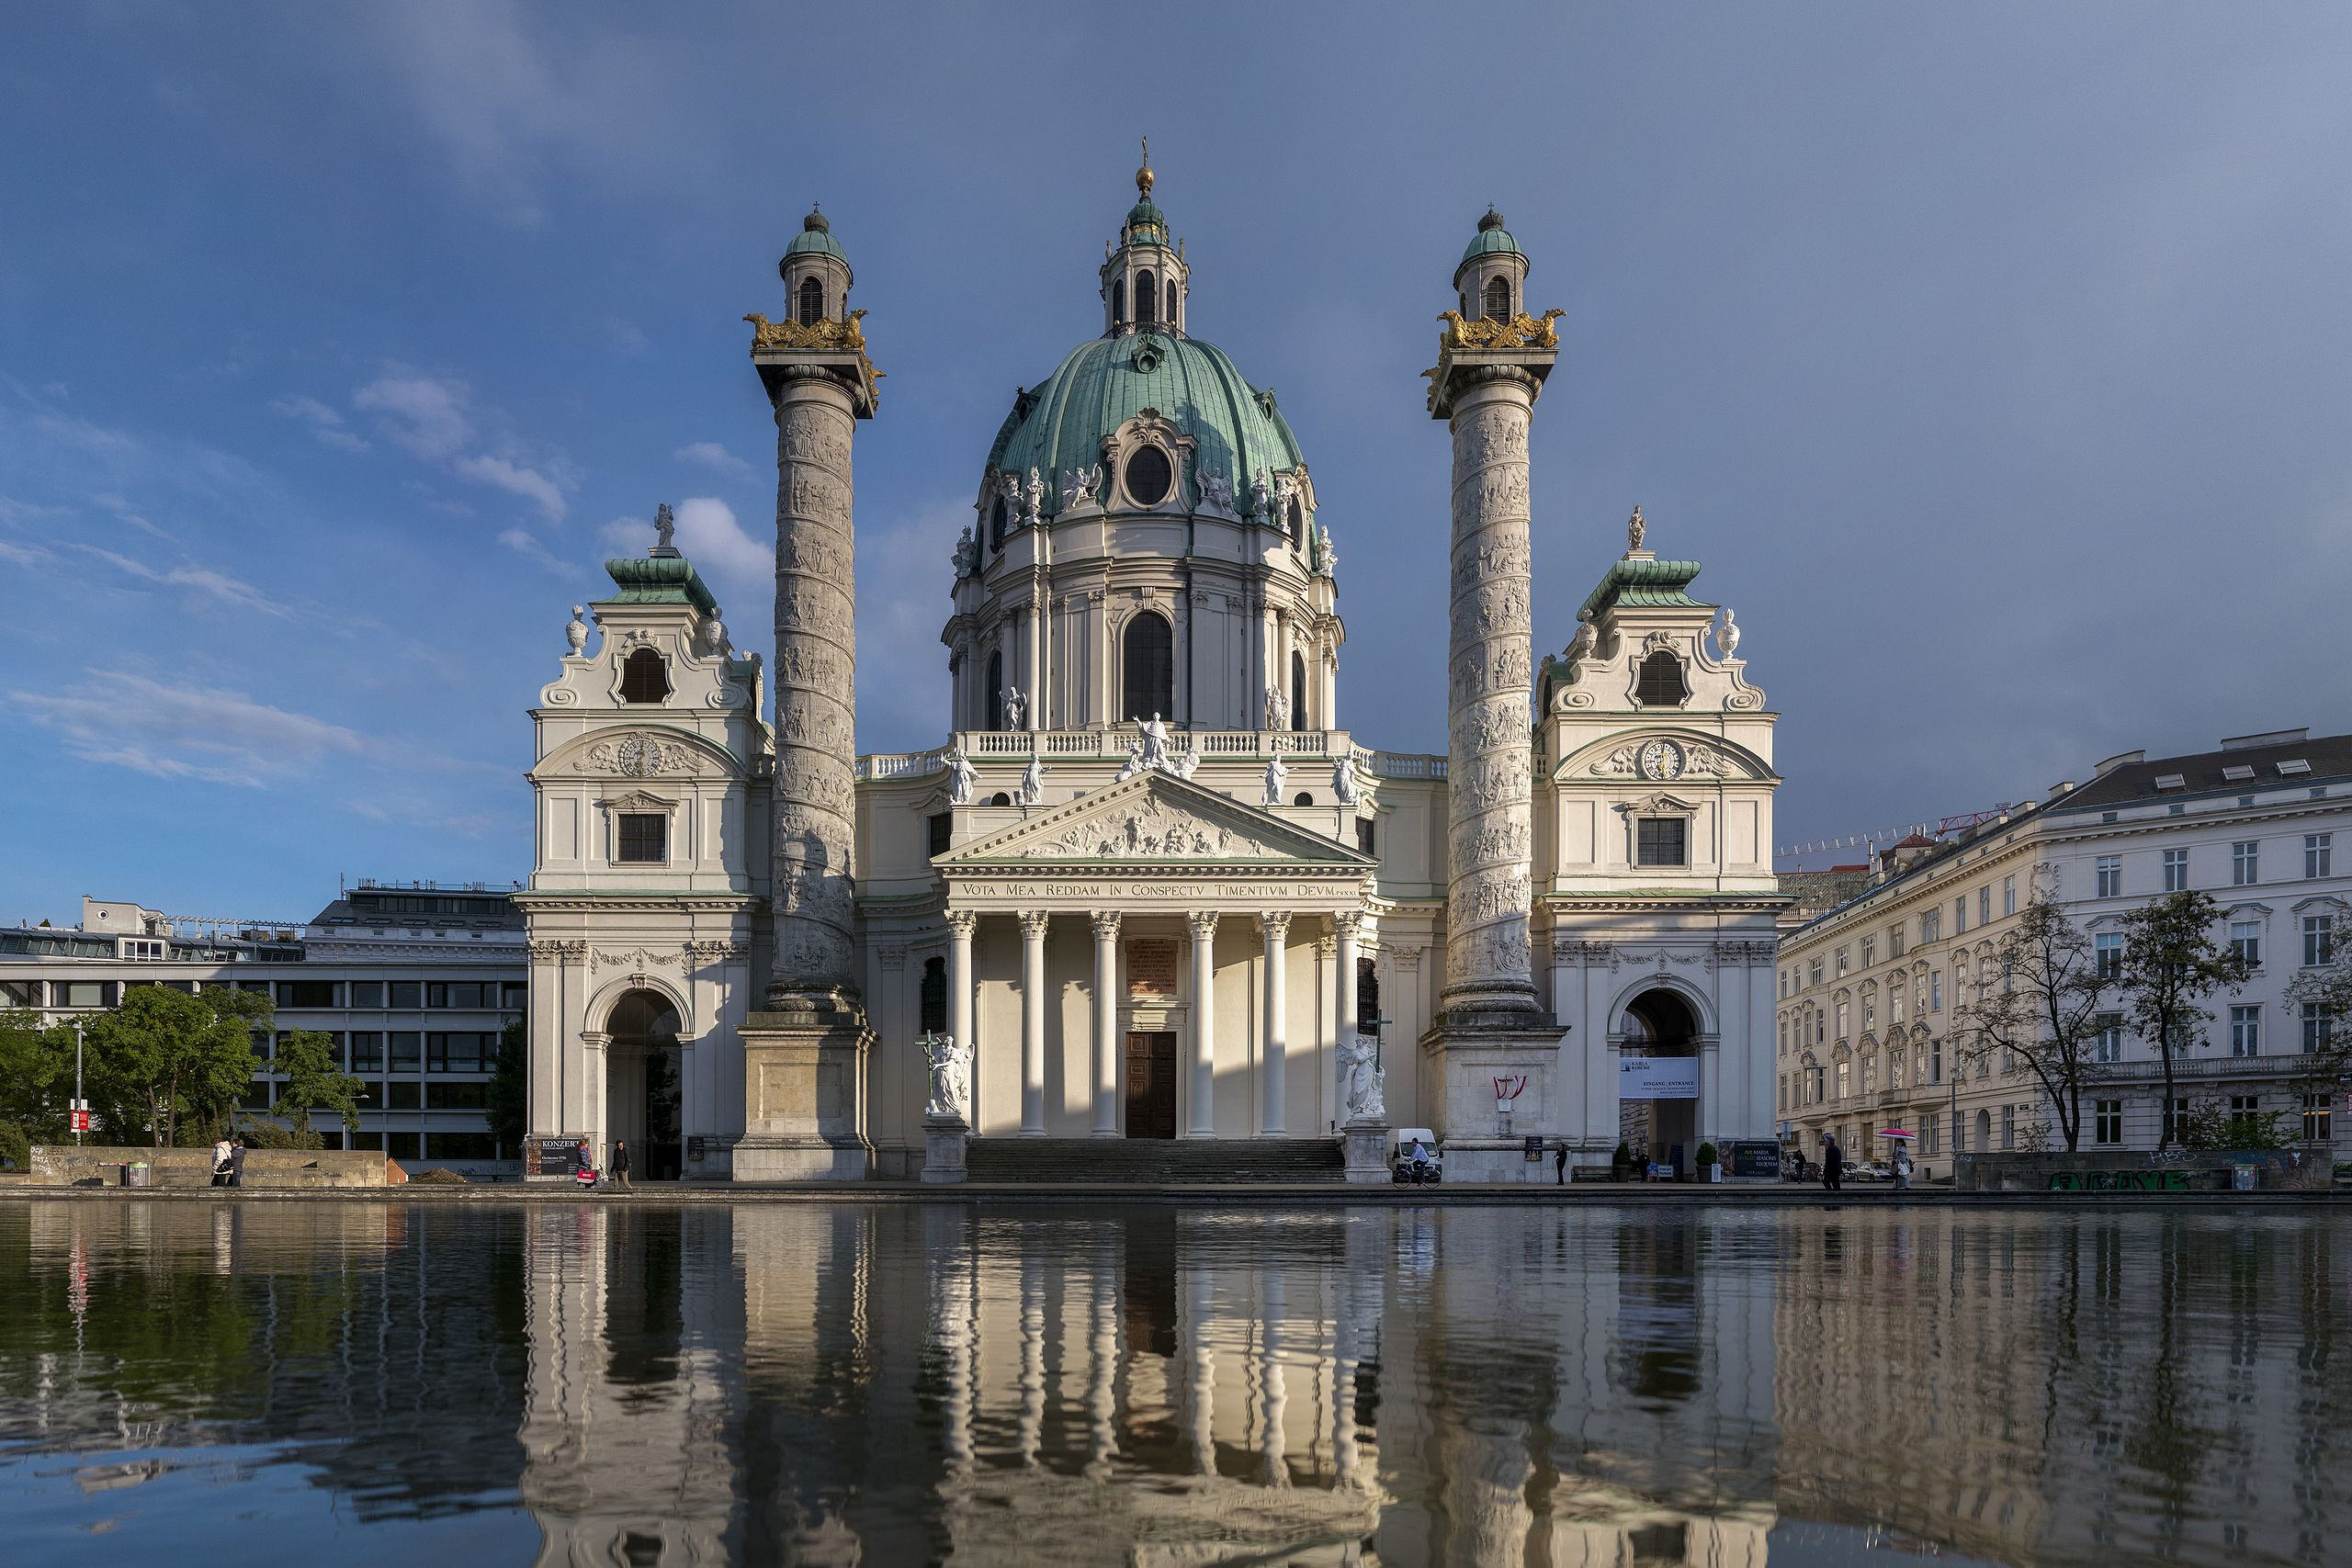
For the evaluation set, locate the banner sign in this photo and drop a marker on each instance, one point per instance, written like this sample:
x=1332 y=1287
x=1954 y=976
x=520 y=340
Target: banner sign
x=1757 y=1161
x=554 y=1157
x=1657 y=1077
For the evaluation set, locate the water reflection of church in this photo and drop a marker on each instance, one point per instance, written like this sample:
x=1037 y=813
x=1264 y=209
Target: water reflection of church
x=933 y=1385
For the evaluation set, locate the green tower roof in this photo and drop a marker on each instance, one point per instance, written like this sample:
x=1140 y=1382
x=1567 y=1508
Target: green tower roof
x=816 y=236
x=1490 y=238
x=1652 y=584
x=1102 y=384
x=659 y=580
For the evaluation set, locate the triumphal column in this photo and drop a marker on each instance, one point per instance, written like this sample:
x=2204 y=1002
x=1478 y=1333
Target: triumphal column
x=805 y=1050
x=1493 y=1050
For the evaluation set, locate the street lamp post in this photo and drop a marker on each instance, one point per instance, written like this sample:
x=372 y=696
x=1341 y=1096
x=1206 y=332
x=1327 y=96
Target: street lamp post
x=80 y=1105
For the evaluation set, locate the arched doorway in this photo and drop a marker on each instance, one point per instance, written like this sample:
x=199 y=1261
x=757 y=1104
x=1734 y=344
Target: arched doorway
x=1661 y=1022
x=641 y=1085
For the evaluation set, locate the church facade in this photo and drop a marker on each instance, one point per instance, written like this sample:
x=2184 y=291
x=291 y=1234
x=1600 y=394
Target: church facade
x=1151 y=886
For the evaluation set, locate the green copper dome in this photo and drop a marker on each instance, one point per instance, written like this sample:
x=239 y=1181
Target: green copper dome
x=1490 y=238
x=816 y=235
x=1059 y=425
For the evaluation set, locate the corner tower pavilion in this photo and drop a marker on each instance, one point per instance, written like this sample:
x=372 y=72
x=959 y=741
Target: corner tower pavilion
x=1150 y=880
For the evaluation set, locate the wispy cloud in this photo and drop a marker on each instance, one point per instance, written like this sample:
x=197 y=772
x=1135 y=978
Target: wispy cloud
x=129 y=720
x=122 y=512
x=521 y=542
x=196 y=578
x=711 y=454
x=421 y=414
x=323 y=421
x=434 y=419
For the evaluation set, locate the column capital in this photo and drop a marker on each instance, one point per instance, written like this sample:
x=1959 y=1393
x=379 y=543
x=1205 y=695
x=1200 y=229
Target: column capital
x=1033 y=924
x=1202 y=923
x=1347 y=922
x=594 y=1039
x=962 y=921
x=1105 y=923
x=1273 y=924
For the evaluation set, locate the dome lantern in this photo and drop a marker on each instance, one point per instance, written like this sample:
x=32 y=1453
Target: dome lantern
x=816 y=274
x=1491 y=279
x=1143 y=280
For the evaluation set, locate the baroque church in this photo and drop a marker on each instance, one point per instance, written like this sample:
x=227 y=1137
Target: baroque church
x=1151 y=886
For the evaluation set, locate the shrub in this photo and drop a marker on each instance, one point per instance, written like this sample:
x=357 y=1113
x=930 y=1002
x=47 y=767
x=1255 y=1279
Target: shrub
x=1707 y=1154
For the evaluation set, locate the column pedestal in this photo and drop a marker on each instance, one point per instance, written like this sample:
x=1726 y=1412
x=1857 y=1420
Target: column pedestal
x=804 y=1070
x=1366 y=1140
x=944 y=1138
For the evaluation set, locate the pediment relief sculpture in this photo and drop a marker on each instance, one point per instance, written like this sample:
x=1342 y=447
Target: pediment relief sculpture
x=1155 y=818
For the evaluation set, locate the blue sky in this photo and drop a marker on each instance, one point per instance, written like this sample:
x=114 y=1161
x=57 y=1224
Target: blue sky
x=1992 y=357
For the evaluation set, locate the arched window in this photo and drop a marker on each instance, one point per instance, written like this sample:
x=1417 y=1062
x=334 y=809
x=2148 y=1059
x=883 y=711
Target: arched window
x=1000 y=798
x=1498 y=299
x=1298 y=690
x=813 y=301
x=935 y=996
x=1146 y=296
x=1296 y=519
x=1171 y=301
x=998 y=515
x=644 y=678
x=1305 y=798
x=1661 y=685
x=1118 y=301
x=1151 y=663
x=995 y=702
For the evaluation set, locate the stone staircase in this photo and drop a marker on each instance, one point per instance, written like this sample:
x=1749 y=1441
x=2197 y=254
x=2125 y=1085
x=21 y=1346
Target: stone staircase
x=1148 y=1162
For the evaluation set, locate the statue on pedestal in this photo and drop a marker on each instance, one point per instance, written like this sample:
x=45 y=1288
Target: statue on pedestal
x=1016 y=708
x=1362 y=1080
x=961 y=778
x=950 y=1080
x=1277 y=778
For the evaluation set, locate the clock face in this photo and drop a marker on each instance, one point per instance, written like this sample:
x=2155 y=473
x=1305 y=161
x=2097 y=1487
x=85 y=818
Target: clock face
x=1662 y=760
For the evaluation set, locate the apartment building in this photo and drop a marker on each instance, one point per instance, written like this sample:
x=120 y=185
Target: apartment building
x=1867 y=990
x=414 y=983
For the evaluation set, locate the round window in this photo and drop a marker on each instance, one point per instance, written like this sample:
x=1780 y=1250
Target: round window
x=1297 y=515
x=1148 y=475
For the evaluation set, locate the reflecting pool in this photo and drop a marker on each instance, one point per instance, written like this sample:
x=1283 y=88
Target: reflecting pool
x=880 y=1383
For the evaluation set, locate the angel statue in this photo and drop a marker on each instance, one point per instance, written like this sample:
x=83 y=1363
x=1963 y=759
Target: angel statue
x=1363 y=1080
x=1077 y=488
x=961 y=778
x=665 y=528
x=1277 y=709
x=1008 y=489
x=966 y=554
x=1216 y=491
x=1033 y=499
x=1261 y=497
x=945 y=1059
x=1330 y=556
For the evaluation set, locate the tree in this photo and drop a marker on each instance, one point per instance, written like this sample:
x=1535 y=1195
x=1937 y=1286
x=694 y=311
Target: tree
x=36 y=1080
x=162 y=1056
x=2171 y=964
x=2043 y=1016
x=315 y=1081
x=509 y=1090
x=2326 y=1060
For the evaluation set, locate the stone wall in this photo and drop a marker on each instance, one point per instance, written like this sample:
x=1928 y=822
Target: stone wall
x=2129 y=1172
x=63 y=1164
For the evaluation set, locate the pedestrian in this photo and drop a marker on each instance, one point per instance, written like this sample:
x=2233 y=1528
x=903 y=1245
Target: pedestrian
x=583 y=1172
x=620 y=1162
x=1833 y=1165
x=237 y=1160
x=220 y=1160
x=1903 y=1168
x=1560 y=1165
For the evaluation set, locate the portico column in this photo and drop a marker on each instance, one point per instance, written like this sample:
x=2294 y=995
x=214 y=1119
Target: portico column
x=1033 y=1023
x=959 y=1002
x=592 y=1091
x=1275 y=928
x=1203 y=925
x=1106 y=1023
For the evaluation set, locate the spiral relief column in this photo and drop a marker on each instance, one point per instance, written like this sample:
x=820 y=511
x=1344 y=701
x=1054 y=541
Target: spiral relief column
x=1492 y=361
x=804 y=1055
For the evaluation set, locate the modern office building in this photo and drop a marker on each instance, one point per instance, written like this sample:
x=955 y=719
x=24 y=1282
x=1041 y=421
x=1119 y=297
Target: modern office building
x=414 y=982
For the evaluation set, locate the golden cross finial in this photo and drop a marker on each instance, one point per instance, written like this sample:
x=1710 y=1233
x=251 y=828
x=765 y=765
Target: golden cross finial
x=1143 y=175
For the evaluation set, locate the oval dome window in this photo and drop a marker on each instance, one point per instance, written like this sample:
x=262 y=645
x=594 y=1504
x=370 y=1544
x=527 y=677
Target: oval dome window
x=1148 y=475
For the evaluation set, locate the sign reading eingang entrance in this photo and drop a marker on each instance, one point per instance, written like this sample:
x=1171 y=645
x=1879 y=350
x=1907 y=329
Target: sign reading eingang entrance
x=1657 y=1077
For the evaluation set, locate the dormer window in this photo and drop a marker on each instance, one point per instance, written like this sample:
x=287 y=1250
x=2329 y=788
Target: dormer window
x=813 y=301
x=644 y=678
x=1661 y=685
x=1497 y=300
